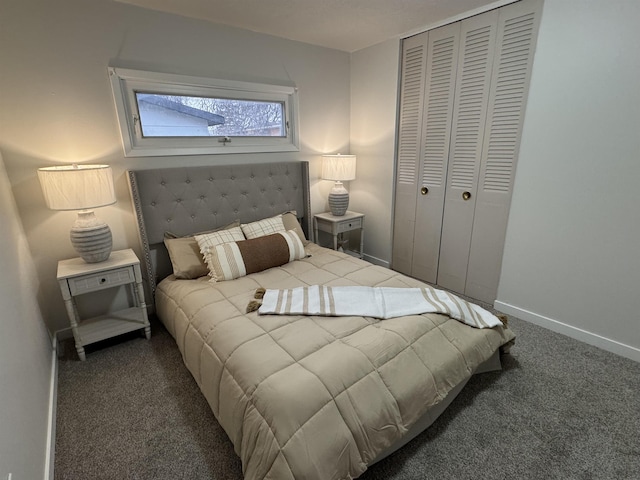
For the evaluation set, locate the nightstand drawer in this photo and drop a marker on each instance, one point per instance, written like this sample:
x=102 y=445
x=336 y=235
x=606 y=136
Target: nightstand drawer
x=350 y=225
x=98 y=281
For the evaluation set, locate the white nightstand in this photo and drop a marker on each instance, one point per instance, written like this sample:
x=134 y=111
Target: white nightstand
x=325 y=222
x=77 y=277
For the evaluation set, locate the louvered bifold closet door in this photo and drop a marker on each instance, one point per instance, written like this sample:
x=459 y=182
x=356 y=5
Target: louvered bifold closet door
x=477 y=43
x=516 y=39
x=414 y=60
x=442 y=65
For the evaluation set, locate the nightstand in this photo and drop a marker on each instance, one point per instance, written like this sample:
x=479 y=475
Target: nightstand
x=336 y=226
x=76 y=277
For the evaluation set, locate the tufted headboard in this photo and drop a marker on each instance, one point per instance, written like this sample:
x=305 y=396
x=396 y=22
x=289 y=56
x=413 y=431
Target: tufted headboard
x=188 y=200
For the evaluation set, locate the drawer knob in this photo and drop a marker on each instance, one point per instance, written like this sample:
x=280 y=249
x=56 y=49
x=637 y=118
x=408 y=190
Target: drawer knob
x=102 y=280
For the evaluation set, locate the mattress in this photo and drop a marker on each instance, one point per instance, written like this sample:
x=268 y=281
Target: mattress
x=316 y=397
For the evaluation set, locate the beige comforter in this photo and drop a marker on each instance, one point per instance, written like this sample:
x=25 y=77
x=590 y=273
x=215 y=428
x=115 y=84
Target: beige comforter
x=316 y=397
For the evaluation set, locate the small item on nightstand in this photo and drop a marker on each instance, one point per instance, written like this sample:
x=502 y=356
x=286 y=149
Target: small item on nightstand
x=343 y=243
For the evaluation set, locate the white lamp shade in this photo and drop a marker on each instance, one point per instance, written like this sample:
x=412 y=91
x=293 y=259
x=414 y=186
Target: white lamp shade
x=77 y=187
x=340 y=168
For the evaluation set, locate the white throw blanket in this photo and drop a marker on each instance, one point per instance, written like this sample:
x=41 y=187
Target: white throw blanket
x=377 y=302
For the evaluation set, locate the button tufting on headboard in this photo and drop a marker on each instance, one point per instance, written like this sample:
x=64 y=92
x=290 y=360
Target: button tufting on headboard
x=186 y=200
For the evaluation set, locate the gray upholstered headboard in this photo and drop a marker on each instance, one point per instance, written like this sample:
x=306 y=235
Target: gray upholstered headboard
x=188 y=200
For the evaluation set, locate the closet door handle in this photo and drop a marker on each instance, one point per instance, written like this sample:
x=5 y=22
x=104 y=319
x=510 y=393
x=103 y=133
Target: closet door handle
x=424 y=190
x=466 y=195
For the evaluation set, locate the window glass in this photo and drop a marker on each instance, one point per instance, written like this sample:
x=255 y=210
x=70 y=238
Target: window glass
x=185 y=116
x=164 y=114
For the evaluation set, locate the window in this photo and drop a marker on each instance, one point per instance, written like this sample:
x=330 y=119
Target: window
x=165 y=114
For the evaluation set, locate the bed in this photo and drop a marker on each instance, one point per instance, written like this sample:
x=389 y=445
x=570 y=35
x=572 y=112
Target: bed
x=300 y=397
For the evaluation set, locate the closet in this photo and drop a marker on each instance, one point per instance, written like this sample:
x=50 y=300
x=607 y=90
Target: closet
x=462 y=99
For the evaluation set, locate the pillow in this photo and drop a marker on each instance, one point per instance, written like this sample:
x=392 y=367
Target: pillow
x=272 y=225
x=208 y=240
x=290 y=221
x=264 y=227
x=237 y=259
x=185 y=256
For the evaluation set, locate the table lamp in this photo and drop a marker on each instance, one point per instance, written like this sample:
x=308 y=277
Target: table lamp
x=339 y=168
x=82 y=188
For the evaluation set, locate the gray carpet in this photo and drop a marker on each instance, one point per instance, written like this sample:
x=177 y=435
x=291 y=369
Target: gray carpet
x=560 y=409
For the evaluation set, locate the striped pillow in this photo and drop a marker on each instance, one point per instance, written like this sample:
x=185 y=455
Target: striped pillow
x=208 y=240
x=237 y=259
x=185 y=255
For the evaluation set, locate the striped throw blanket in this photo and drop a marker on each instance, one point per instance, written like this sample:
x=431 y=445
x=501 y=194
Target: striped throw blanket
x=377 y=302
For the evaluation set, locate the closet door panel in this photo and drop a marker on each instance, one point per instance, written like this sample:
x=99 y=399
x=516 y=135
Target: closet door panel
x=414 y=59
x=516 y=39
x=477 y=43
x=442 y=55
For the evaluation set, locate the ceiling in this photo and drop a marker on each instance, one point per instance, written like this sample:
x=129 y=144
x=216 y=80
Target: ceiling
x=347 y=25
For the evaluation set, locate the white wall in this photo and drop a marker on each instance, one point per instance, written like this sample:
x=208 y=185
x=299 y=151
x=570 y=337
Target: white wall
x=573 y=227
x=571 y=261
x=56 y=104
x=374 y=94
x=25 y=351
x=572 y=253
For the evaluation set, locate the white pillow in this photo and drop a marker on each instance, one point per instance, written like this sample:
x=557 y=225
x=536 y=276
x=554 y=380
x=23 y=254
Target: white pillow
x=206 y=241
x=268 y=226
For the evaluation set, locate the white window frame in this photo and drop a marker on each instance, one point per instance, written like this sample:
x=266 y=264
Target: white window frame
x=126 y=82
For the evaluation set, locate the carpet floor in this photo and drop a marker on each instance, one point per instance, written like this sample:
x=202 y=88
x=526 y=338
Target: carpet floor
x=560 y=409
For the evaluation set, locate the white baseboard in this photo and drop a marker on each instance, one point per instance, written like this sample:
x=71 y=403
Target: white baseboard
x=51 y=429
x=574 y=332
x=376 y=260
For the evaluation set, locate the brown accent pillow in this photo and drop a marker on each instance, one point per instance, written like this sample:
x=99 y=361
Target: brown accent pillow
x=237 y=259
x=184 y=252
x=264 y=252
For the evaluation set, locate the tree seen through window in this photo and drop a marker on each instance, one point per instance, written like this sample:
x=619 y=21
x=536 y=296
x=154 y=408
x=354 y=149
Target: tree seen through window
x=164 y=115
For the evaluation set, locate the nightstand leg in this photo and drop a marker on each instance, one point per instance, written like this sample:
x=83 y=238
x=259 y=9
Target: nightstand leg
x=72 y=312
x=315 y=231
x=335 y=242
x=143 y=308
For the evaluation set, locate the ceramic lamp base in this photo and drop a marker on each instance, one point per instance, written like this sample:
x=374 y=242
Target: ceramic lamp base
x=91 y=238
x=338 y=200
